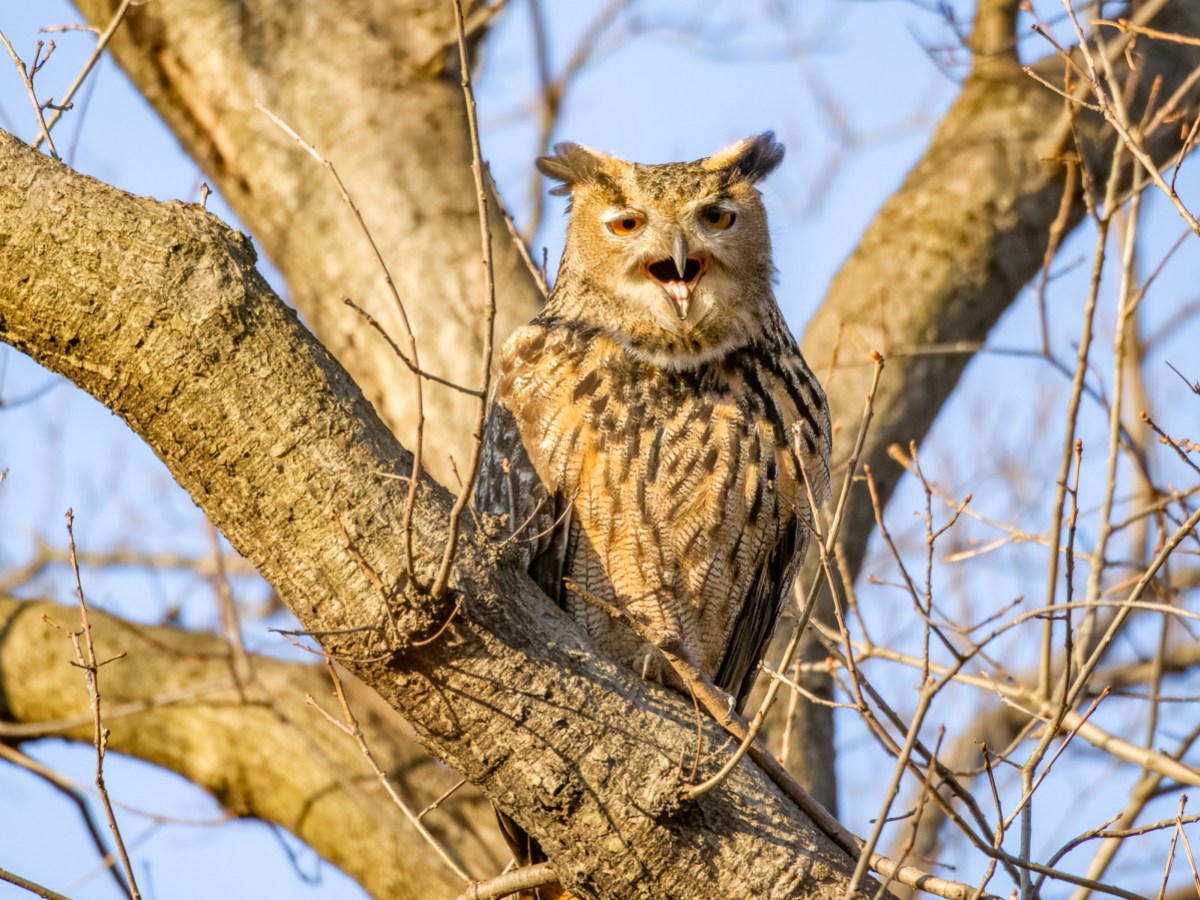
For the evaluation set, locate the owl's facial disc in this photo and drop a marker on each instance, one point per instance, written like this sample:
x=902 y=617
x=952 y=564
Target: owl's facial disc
x=678 y=274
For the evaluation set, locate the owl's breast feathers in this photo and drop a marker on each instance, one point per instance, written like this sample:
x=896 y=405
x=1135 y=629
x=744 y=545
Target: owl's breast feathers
x=677 y=496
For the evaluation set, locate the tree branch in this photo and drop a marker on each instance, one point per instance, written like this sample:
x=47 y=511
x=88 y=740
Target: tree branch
x=168 y=333
x=173 y=702
x=952 y=249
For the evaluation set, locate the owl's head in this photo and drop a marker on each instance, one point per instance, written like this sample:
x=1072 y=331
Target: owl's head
x=672 y=260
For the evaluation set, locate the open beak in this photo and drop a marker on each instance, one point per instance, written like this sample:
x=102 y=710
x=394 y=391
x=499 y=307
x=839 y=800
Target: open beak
x=678 y=274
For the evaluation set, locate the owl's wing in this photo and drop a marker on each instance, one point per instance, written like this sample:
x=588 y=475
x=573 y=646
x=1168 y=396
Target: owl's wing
x=538 y=520
x=752 y=632
x=785 y=373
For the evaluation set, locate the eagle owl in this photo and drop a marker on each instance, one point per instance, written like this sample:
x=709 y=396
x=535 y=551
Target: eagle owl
x=651 y=431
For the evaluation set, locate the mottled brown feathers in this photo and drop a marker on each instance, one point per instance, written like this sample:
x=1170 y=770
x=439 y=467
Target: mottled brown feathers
x=683 y=488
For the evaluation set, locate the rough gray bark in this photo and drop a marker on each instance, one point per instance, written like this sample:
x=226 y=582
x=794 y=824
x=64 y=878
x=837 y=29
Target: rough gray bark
x=158 y=312
x=259 y=749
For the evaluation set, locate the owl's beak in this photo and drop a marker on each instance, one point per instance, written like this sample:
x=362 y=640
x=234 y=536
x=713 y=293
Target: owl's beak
x=680 y=256
x=678 y=274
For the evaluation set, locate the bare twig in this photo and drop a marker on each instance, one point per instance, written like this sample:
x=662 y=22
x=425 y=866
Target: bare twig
x=86 y=656
x=1067 y=455
x=539 y=275
x=428 y=376
x=97 y=51
x=1193 y=386
x=31 y=886
x=893 y=788
x=351 y=727
x=1110 y=107
x=551 y=90
x=1162 y=889
x=1125 y=311
x=76 y=796
x=441 y=799
x=1128 y=27
x=511 y=882
x=27 y=78
x=1187 y=844
x=485 y=239
x=1029 y=703
x=242 y=666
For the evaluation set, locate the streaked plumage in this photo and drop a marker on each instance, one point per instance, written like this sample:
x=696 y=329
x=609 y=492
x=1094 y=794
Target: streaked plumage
x=649 y=429
x=651 y=451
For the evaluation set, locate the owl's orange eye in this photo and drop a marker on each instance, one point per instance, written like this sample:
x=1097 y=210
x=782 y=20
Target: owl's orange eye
x=715 y=217
x=626 y=225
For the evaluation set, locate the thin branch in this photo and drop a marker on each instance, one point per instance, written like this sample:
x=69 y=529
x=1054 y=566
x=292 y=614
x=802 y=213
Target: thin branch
x=1162 y=889
x=31 y=886
x=1117 y=121
x=101 y=43
x=354 y=730
x=1067 y=454
x=241 y=665
x=539 y=275
x=76 y=796
x=87 y=661
x=519 y=879
x=1127 y=27
x=412 y=367
x=889 y=796
x=485 y=239
x=442 y=798
x=27 y=79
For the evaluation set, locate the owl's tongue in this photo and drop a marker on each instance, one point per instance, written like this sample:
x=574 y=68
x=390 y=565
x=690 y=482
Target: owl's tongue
x=681 y=293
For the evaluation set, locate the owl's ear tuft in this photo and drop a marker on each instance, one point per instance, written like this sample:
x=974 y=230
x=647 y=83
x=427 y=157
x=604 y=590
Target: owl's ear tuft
x=571 y=164
x=751 y=159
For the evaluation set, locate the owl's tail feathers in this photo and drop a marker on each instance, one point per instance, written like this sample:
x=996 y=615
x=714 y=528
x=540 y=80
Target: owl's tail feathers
x=527 y=852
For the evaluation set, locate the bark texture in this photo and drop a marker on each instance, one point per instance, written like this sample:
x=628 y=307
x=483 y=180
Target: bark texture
x=158 y=312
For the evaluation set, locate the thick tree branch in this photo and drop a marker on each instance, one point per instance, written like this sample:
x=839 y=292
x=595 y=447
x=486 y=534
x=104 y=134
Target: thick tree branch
x=259 y=750
x=158 y=312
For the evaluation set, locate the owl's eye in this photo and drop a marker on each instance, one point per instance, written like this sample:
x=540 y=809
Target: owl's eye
x=718 y=218
x=626 y=225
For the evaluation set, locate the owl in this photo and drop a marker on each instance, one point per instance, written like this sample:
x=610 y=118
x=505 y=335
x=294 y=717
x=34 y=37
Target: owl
x=652 y=430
